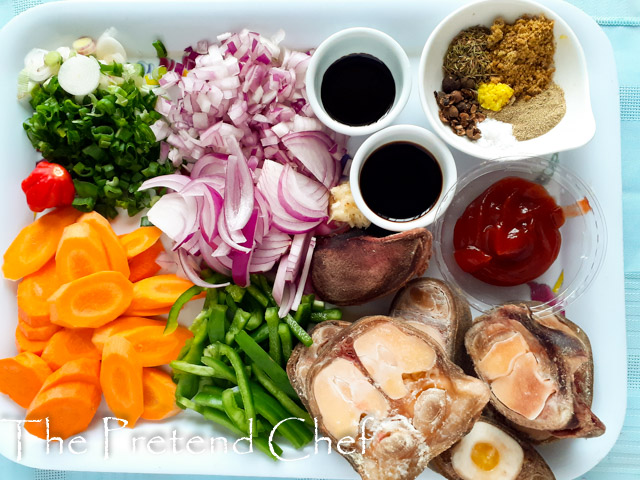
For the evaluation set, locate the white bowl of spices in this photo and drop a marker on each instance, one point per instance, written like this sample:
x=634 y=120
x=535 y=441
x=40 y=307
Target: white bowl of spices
x=506 y=77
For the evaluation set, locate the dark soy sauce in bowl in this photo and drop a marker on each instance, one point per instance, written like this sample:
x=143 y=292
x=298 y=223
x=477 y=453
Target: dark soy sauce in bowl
x=357 y=90
x=400 y=181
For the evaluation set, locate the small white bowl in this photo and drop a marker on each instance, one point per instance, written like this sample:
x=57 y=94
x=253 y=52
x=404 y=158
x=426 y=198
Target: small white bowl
x=575 y=129
x=418 y=136
x=359 y=40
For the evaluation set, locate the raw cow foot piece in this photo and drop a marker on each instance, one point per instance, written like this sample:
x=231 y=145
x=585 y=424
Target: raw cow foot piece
x=490 y=451
x=353 y=268
x=390 y=396
x=435 y=308
x=540 y=370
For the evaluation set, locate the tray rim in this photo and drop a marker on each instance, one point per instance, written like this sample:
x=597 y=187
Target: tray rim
x=53 y=6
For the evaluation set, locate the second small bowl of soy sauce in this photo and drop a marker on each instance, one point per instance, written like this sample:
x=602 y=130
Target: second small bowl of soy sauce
x=358 y=81
x=399 y=177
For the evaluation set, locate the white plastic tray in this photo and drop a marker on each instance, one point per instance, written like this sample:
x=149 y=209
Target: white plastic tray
x=600 y=311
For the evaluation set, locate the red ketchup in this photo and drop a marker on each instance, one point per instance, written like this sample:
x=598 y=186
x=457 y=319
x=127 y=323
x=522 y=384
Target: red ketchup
x=510 y=234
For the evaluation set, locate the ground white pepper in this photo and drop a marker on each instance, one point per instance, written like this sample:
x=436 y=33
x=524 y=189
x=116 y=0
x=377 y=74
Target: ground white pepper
x=534 y=117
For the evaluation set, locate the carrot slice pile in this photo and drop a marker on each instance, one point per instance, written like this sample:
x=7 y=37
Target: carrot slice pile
x=156 y=295
x=36 y=243
x=153 y=346
x=33 y=292
x=82 y=326
x=91 y=301
x=116 y=254
x=67 y=345
x=100 y=335
x=80 y=253
x=159 y=393
x=121 y=379
x=69 y=406
x=144 y=264
x=140 y=240
x=22 y=376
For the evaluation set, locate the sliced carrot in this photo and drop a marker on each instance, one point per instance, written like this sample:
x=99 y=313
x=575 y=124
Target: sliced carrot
x=33 y=292
x=78 y=370
x=140 y=240
x=116 y=253
x=158 y=292
x=91 y=301
x=23 y=344
x=152 y=312
x=22 y=376
x=37 y=333
x=144 y=264
x=159 y=394
x=100 y=335
x=153 y=346
x=70 y=407
x=36 y=244
x=80 y=253
x=69 y=344
x=121 y=379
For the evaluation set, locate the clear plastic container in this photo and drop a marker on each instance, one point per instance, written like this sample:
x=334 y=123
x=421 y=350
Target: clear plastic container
x=583 y=237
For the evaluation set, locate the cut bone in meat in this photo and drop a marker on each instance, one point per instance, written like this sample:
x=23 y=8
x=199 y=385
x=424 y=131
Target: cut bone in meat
x=435 y=308
x=390 y=394
x=539 y=367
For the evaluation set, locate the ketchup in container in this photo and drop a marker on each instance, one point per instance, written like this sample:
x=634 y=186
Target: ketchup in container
x=510 y=234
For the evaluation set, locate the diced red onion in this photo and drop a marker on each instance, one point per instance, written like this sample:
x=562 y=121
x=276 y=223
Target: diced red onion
x=242 y=102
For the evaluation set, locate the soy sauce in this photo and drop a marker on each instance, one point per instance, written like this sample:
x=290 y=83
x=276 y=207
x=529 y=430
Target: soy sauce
x=400 y=181
x=357 y=89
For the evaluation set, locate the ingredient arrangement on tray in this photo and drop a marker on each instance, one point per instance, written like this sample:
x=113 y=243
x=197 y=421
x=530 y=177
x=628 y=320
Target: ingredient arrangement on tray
x=247 y=210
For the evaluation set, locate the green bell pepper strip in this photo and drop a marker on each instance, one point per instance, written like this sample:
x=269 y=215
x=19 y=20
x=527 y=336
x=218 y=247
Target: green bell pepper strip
x=236 y=292
x=188 y=383
x=242 y=377
x=240 y=320
x=318 y=306
x=262 y=358
x=275 y=350
x=298 y=331
x=231 y=311
x=261 y=334
x=210 y=396
x=220 y=370
x=215 y=325
x=172 y=319
x=257 y=317
x=281 y=396
x=237 y=415
x=285 y=340
x=303 y=314
x=221 y=418
x=258 y=295
x=272 y=411
x=200 y=370
x=331 y=314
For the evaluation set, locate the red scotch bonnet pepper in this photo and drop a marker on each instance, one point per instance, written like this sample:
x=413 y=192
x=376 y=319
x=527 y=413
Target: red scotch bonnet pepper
x=49 y=185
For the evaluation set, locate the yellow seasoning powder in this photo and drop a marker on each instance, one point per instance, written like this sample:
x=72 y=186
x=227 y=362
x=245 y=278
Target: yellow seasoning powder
x=494 y=96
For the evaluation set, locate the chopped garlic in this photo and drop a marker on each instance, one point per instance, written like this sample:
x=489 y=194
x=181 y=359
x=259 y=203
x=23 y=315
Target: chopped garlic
x=342 y=207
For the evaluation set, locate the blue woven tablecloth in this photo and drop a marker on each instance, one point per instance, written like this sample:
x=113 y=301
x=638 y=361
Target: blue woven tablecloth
x=620 y=19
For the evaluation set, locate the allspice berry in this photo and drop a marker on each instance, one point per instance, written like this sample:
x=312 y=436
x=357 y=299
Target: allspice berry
x=450 y=83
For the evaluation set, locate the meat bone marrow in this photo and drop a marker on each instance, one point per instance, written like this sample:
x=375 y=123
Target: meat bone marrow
x=353 y=268
x=489 y=451
x=539 y=367
x=437 y=309
x=389 y=395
